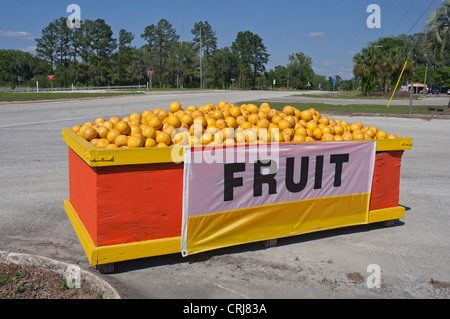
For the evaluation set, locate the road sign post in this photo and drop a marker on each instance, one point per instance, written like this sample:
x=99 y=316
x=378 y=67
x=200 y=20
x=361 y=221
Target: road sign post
x=51 y=78
x=150 y=74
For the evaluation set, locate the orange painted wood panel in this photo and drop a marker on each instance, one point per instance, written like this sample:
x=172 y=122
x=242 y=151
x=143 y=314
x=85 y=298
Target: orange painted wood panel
x=386 y=180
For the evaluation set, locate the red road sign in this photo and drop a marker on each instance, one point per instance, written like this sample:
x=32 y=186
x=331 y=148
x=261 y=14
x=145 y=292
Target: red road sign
x=151 y=72
x=50 y=77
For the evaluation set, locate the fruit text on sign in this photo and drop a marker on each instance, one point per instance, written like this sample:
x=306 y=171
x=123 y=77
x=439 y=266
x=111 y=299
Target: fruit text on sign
x=260 y=179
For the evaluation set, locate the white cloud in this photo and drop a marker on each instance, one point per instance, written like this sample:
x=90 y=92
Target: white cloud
x=17 y=34
x=327 y=63
x=315 y=34
x=29 y=49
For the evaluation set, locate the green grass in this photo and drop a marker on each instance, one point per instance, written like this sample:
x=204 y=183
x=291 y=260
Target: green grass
x=351 y=108
x=399 y=95
x=19 y=96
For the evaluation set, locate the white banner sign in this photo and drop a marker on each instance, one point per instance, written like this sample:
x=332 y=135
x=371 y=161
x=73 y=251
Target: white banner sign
x=243 y=176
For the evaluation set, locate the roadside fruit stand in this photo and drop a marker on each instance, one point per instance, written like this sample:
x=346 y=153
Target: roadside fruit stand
x=149 y=196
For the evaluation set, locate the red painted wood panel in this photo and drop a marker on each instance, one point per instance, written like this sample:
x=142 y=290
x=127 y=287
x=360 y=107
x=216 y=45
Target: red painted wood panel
x=83 y=192
x=139 y=202
x=386 y=180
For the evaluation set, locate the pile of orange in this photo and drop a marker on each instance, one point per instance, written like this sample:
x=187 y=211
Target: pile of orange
x=223 y=123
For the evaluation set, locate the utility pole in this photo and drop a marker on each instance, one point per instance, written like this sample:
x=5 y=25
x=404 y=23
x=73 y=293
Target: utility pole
x=181 y=58
x=201 y=56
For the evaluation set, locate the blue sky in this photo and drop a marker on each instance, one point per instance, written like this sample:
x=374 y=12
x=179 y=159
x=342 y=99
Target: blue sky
x=329 y=31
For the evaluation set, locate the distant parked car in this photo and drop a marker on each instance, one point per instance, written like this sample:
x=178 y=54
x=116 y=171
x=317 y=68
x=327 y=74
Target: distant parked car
x=448 y=92
x=435 y=91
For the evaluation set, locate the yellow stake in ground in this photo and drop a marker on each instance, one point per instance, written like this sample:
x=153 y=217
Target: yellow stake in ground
x=397 y=84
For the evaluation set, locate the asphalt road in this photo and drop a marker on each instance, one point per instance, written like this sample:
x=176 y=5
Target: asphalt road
x=414 y=255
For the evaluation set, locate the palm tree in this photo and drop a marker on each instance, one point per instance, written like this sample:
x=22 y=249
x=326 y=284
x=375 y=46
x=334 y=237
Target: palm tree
x=436 y=42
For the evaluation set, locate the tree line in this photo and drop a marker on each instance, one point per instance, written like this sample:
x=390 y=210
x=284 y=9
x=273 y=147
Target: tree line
x=92 y=56
x=379 y=65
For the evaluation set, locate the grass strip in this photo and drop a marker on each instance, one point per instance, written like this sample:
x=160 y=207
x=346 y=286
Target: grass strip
x=13 y=96
x=350 y=108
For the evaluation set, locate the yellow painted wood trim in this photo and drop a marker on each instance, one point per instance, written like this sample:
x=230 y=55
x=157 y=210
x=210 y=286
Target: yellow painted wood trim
x=96 y=157
x=136 y=250
x=82 y=233
x=111 y=157
x=113 y=253
x=384 y=214
x=397 y=144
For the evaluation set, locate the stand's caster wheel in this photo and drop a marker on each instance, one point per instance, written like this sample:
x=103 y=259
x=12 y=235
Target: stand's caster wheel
x=388 y=223
x=106 y=268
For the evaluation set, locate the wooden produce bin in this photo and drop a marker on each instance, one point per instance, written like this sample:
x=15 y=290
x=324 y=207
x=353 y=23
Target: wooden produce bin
x=127 y=203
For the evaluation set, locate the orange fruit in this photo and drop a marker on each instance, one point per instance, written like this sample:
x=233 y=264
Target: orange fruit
x=311 y=125
x=163 y=137
x=174 y=107
x=252 y=108
x=149 y=132
x=381 y=135
x=89 y=133
x=358 y=136
x=355 y=127
x=135 y=129
x=306 y=115
x=324 y=120
x=288 y=110
x=108 y=124
x=231 y=122
x=102 y=143
x=240 y=119
x=76 y=128
x=263 y=123
x=102 y=131
x=200 y=120
x=272 y=113
x=112 y=145
x=123 y=127
x=162 y=114
x=338 y=138
x=169 y=129
x=112 y=134
x=327 y=137
x=221 y=124
x=253 y=118
x=174 y=121
x=265 y=107
x=298 y=138
x=135 y=117
x=235 y=111
x=391 y=136
x=121 y=140
x=251 y=136
x=187 y=119
x=339 y=130
x=317 y=133
x=327 y=130
x=150 y=142
x=155 y=122
x=206 y=138
x=135 y=141
x=347 y=136
x=301 y=131
x=276 y=119
x=194 y=140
